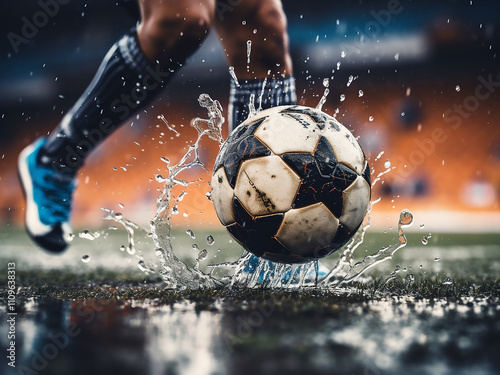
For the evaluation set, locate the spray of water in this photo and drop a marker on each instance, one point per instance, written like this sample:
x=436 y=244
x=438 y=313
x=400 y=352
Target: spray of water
x=177 y=274
x=174 y=272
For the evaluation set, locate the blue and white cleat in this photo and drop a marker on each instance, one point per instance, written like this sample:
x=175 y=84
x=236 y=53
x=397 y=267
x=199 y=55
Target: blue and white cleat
x=48 y=200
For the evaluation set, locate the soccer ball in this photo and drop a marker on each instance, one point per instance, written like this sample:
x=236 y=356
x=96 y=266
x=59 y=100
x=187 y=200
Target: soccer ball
x=291 y=184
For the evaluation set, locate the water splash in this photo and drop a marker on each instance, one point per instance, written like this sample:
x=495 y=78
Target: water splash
x=174 y=272
x=261 y=96
x=251 y=107
x=161 y=117
x=177 y=274
x=129 y=226
x=345 y=271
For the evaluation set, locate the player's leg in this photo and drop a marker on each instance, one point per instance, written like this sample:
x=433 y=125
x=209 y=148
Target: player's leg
x=132 y=74
x=264 y=24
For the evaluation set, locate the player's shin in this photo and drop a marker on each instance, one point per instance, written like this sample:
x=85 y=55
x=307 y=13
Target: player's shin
x=125 y=83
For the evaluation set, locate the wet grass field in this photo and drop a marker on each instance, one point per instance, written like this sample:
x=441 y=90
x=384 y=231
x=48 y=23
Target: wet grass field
x=432 y=309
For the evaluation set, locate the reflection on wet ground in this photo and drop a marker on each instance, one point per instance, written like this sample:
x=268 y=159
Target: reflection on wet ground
x=430 y=310
x=269 y=333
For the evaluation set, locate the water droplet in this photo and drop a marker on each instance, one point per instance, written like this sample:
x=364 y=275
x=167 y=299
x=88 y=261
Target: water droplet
x=86 y=235
x=396 y=56
x=360 y=93
x=422 y=226
x=190 y=233
x=370 y=118
x=210 y=240
x=86 y=258
x=122 y=248
x=405 y=219
x=233 y=75
x=195 y=247
x=425 y=239
x=160 y=178
x=249 y=49
x=387 y=164
x=342 y=97
x=326 y=83
x=202 y=254
x=208 y=195
x=342 y=54
x=436 y=259
x=457 y=88
x=447 y=281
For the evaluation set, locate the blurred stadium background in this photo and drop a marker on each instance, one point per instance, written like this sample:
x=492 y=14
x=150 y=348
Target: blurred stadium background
x=423 y=88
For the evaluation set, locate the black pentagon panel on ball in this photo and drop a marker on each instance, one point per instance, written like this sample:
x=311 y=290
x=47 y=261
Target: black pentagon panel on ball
x=325 y=157
x=240 y=146
x=322 y=178
x=305 y=166
x=256 y=234
x=343 y=177
x=341 y=237
x=366 y=174
x=332 y=198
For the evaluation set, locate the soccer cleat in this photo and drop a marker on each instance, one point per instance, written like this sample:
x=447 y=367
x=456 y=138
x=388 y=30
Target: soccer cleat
x=48 y=200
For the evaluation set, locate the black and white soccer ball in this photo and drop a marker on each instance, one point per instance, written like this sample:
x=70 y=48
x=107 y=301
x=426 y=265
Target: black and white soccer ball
x=291 y=184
